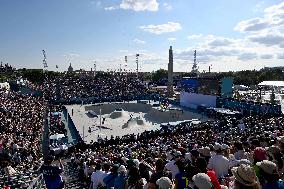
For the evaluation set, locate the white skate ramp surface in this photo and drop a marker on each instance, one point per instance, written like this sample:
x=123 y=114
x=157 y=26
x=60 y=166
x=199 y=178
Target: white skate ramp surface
x=120 y=119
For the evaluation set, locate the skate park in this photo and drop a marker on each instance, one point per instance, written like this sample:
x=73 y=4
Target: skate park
x=117 y=119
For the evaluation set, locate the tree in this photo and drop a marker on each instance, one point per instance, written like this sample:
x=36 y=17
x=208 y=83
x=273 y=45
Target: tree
x=159 y=75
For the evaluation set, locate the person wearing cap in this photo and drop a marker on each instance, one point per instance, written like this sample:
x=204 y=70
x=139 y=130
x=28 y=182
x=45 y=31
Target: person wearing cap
x=171 y=166
x=269 y=175
x=244 y=178
x=219 y=163
x=120 y=180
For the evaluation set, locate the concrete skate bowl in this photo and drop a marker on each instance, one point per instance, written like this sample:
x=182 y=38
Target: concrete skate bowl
x=132 y=122
x=153 y=115
x=160 y=116
x=117 y=114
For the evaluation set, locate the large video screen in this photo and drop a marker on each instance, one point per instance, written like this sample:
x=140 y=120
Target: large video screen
x=208 y=86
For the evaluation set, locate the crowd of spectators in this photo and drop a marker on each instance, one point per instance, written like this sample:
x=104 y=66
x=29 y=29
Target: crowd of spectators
x=216 y=154
x=104 y=85
x=57 y=126
x=224 y=153
x=21 y=120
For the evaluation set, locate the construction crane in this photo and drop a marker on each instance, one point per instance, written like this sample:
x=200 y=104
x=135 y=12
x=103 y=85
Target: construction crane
x=44 y=60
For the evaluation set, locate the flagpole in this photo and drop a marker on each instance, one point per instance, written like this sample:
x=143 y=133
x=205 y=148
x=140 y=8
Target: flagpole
x=83 y=133
x=100 y=120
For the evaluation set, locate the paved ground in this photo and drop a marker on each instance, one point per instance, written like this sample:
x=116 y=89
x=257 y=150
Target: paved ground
x=134 y=118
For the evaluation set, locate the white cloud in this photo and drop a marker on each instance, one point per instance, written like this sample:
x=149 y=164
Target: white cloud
x=123 y=51
x=247 y=56
x=276 y=14
x=273 y=18
x=172 y=39
x=266 y=56
x=162 y=28
x=167 y=6
x=140 y=5
x=255 y=24
x=280 y=56
x=221 y=49
x=136 y=5
x=98 y=3
x=268 y=38
x=138 y=41
x=195 y=36
x=220 y=41
x=71 y=56
x=111 y=8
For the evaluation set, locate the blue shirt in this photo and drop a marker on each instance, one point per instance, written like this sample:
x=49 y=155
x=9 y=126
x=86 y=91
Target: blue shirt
x=119 y=181
x=109 y=180
x=274 y=185
x=51 y=175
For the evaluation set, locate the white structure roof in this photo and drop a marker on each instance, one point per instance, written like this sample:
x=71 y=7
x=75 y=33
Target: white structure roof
x=272 y=83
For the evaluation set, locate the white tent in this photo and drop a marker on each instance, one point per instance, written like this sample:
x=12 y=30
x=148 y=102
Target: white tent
x=272 y=83
x=56 y=136
x=5 y=85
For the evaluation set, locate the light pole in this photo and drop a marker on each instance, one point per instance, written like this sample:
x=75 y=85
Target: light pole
x=137 y=64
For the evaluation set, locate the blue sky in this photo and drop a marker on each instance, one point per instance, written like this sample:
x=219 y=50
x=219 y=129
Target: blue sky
x=229 y=35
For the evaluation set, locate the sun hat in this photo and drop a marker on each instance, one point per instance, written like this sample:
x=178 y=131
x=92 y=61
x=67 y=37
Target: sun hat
x=122 y=168
x=164 y=183
x=268 y=167
x=224 y=147
x=202 y=181
x=245 y=175
x=217 y=146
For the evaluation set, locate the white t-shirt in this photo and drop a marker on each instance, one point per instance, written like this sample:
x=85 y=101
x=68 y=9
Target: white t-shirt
x=97 y=178
x=220 y=164
x=173 y=168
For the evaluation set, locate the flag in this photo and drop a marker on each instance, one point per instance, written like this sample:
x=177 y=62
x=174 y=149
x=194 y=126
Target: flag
x=56 y=66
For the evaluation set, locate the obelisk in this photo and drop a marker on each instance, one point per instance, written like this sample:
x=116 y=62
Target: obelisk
x=170 y=74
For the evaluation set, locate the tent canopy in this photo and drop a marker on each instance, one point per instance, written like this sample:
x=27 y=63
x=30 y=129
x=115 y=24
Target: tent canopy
x=56 y=136
x=272 y=83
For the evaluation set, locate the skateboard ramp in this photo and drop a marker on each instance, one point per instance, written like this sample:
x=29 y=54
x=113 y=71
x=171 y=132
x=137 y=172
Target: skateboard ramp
x=133 y=122
x=119 y=114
